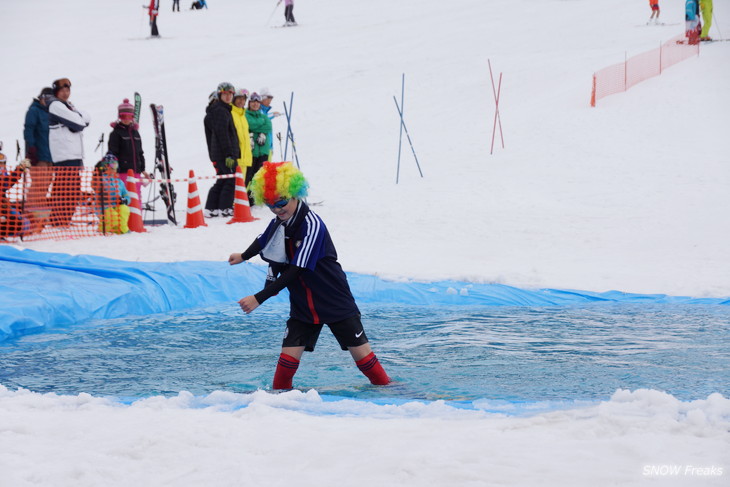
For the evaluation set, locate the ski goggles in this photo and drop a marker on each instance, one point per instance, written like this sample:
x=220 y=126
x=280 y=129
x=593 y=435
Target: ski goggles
x=278 y=205
x=61 y=83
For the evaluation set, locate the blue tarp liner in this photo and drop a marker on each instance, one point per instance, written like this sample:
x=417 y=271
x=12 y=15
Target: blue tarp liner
x=44 y=290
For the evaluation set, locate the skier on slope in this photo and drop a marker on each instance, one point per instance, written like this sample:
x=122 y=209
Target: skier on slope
x=654 y=5
x=289 y=13
x=303 y=259
x=153 y=9
x=693 y=26
x=706 y=8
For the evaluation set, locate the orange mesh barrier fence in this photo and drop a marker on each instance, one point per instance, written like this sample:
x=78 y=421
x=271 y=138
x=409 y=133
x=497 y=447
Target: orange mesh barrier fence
x=56 y=203
x=622 y=76
x=60 y=203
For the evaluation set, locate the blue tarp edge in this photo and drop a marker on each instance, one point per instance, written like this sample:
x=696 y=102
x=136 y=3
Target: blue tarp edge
x=46 y=290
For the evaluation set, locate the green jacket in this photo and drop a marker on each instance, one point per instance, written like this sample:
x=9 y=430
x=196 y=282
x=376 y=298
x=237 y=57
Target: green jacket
x=259 y=123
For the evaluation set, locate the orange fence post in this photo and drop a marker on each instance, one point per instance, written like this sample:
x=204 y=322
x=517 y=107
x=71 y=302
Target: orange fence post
x=593 y=91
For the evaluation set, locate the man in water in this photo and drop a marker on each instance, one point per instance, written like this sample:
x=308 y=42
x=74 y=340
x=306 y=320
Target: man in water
x=302 y=258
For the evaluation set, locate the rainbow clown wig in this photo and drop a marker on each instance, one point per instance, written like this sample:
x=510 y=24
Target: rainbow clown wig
x=276 y=181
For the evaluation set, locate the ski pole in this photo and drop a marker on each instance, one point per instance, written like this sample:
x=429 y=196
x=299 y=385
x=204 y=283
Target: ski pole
x=407 y=135
x=273 y=12
x=281 y=149
x=716 y=25
x=101 y=142
x=288 y=123
x=17 y=150
x=290 y=133
x=400 y=136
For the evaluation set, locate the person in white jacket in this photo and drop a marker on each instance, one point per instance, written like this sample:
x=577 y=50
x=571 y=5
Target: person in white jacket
x=65 y=138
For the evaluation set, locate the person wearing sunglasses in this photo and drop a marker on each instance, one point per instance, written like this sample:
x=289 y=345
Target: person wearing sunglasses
x=259 y=127
x=303 y=259
x=66 y=124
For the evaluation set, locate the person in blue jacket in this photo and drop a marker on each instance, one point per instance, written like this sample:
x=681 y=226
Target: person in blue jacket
x=266 y=99
x=38 y=152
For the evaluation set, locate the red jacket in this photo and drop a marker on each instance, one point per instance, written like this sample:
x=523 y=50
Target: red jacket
x=153 y=8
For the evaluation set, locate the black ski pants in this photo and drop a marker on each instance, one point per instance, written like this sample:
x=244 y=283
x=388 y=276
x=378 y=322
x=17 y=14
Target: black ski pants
x=289 y=13
x=220 y=196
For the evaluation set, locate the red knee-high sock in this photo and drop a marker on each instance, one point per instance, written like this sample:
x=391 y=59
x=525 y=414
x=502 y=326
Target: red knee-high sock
x=370 y=366
x=285 y=370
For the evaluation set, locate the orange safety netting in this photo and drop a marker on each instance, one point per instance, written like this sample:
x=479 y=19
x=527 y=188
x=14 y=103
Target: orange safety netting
x=58 y=203
x=622 y=76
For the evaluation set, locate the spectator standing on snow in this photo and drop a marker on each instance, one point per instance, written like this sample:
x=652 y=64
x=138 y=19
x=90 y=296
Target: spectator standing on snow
x=238 y=112
x=66 y=141
x=706 y=8
x=112 y=196
x=303 y=259
x=654 y=5
x=125 y=144
x=266 y=99
x=259 y=126
x=223 y=150
x=37 y=150
x=13 y=222
x=154 y=10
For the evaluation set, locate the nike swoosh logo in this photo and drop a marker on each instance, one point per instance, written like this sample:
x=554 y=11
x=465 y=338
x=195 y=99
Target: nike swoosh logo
x=357 y=335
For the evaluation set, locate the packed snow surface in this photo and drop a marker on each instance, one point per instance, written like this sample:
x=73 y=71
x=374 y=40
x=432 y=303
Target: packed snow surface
x=631 y=195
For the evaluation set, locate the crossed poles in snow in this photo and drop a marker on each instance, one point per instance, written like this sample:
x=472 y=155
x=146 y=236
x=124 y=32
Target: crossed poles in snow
x=497 y=118
x=402 y=128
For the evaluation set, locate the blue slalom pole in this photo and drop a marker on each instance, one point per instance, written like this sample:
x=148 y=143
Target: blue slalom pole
x=288 y=124
x=403 y=124
x=290 y=135
x=400 y=136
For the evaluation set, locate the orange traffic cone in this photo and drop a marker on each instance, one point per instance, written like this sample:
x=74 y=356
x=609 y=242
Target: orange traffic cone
x=135 y=208
x=195 y=216
x=241 y=206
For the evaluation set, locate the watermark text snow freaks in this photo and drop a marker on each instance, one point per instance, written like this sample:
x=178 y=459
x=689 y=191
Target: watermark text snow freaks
x=682 y=471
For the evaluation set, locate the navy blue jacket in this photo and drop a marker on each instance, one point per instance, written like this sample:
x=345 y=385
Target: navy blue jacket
x=35 y=133
x=318 y=291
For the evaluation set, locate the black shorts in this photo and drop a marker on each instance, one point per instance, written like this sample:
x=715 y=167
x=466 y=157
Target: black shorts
x=348 y=332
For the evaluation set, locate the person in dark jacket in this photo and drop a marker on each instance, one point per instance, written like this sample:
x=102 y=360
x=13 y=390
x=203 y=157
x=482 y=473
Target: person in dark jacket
x=38 y=152
x=126 y=144
x=223 y=150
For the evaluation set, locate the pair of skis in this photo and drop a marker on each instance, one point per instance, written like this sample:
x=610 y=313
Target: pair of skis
x=162 y=164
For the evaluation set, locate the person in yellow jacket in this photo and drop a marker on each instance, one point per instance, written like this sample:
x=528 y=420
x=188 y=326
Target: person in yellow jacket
x=706 y=9
x=238 y=112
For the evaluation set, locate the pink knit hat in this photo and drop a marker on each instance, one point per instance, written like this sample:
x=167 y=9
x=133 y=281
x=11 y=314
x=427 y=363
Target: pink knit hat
x=126 y=109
